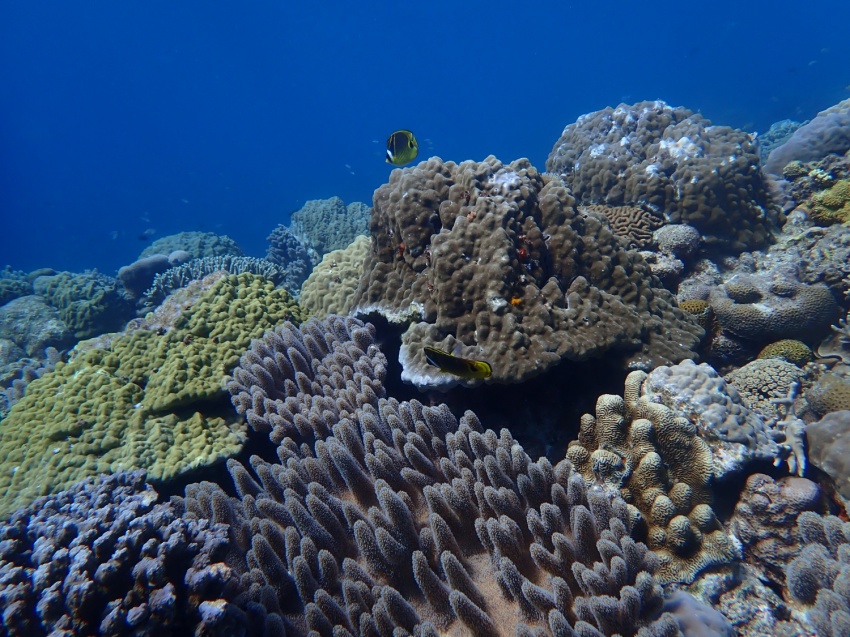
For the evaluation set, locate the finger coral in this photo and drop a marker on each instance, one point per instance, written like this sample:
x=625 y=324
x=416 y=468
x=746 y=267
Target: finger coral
x=662 y=468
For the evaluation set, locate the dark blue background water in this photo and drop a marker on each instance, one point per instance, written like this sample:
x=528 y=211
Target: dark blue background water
x=116 y=117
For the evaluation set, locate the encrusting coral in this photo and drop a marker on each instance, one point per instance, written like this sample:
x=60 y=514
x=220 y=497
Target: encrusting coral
x=662 y=468
x=154 y=400
x=454 y=244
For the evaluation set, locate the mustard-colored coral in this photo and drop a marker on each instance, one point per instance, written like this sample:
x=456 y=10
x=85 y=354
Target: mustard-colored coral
x=832 y=205
x=153 y=401
x=662 y=468
x=331 y=286
x=700 y=309
x=788 y=349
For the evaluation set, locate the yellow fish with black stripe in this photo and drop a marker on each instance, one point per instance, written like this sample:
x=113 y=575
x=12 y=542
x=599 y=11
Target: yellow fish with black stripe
x=457 y=366
x=402 y=148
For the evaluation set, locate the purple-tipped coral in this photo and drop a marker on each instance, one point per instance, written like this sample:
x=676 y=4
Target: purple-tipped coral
x=399 y=520
x=102 y=558
x=299 y=383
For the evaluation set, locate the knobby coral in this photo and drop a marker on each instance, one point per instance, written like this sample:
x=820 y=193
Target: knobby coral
x=454 y=243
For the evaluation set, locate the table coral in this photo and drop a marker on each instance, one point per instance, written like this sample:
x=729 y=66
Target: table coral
x=663 y=469
x=153 y=401
x=674 y=161
x=454 y=243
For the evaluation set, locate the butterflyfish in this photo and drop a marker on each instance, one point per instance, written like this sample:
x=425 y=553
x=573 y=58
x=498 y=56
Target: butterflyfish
x=402 y=148
x=457 y=366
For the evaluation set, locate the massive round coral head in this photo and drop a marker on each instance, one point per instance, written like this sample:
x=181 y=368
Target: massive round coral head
x=480 y=234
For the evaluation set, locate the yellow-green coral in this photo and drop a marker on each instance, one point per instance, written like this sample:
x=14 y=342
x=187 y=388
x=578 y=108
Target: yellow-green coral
x=700 y=309
x=830 y=393
x=788 y=349
x=662 y=468
x=832 y=205
x=331 y=286
x=153 y=401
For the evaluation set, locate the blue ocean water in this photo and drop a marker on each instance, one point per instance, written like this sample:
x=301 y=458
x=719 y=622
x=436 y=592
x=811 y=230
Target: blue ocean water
x=120 y=117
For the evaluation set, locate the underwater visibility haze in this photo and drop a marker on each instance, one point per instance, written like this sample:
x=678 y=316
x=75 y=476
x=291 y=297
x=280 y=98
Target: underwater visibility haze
x=443 y=319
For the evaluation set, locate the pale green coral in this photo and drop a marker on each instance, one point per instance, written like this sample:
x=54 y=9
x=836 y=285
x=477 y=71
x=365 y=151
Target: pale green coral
x=331 y=286
x=832 y=205
x=154 y=401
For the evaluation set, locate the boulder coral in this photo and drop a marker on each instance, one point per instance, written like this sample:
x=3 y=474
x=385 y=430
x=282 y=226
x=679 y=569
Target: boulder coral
x=153 y=400
x=495 y=262
x=331 y=285
x=674 y=161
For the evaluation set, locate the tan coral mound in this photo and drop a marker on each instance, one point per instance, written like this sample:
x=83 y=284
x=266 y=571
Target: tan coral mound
x=662 y=468
x=331 y=286
x=495 y=261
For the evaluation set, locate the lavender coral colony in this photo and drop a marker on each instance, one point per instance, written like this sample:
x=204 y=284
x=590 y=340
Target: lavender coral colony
x=224 y=465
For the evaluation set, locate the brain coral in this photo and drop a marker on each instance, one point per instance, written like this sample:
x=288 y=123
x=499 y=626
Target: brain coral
x=382 y=517
x=763 y=308
x=631 y=223
x=764 y=380
x=331 y=286
x=676 y=162
x=496 y=260
x=831 y=205
x=788 y=349
x=662 y=468
x=323 y=225
x=153 y=401
x=830 y=393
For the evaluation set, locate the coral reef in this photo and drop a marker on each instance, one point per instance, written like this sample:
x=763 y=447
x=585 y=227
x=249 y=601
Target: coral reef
x=828 y=133
x=154 y=400
x=139 y=275
x=761 y=382
x=778 y=133
x=818 y=578
x=13 y=284
x=89 y=303
x=633 y=224
x=290 y=255
x=331 y=285
x=830 y=393
x=323 y=225
x=494 y=261
x=197 y=244
x=180 y=276
x=678 y=240
x=676 y=162
x=764 y=519
x=103 y=559
x=33 y=325
x=831 y=205
x=17 y=374
x=366 y=529
x=829 y=448
x=765 y=307
x=736 y=434
x=789 y=350
x=662 y=468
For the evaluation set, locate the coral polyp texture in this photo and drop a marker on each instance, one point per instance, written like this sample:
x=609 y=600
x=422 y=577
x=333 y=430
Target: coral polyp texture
x=153 y=401
x=299 y=382
x=103 y=559
x=495 y=263
x=662 y=468
x=331 y=285
x=323 y=225
x=674 y=161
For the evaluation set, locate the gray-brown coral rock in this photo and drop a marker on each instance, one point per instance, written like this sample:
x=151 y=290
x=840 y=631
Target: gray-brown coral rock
x=673 y=160
x=494 y=262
